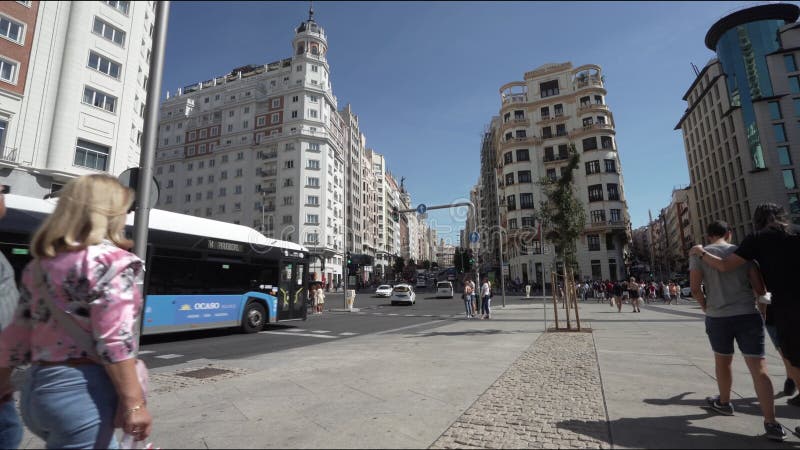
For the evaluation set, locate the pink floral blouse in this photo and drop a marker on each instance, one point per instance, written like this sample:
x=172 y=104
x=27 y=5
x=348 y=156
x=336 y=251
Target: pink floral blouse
x=96 y=287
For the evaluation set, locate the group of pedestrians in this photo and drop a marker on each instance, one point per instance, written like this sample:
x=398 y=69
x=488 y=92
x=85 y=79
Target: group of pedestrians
x=73 y=321
x=477 y=300
x=746 y=293
x=613 y=291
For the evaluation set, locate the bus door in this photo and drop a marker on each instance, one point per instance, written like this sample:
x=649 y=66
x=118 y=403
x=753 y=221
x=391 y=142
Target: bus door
x=292 y=292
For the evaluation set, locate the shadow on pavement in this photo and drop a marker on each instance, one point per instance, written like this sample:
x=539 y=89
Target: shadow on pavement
x=682 y=431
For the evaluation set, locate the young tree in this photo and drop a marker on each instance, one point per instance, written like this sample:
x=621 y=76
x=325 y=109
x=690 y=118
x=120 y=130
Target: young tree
x=458 y=260
x=399 y=264
x=562 y=215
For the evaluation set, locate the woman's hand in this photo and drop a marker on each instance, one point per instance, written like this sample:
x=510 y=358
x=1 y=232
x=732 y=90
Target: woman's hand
x=134 y=420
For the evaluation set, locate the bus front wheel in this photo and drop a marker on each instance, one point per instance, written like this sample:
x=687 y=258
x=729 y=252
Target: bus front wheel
x=254 y=317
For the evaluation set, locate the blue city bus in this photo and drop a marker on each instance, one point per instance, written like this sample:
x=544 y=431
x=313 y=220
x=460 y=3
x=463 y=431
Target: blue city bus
x=201 y=273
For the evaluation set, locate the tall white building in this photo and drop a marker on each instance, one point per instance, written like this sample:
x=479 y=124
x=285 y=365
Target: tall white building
x=73 y=87
x=555 y=106
x=262 y=146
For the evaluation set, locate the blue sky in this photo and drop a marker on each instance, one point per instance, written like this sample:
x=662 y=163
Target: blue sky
x=423 y=77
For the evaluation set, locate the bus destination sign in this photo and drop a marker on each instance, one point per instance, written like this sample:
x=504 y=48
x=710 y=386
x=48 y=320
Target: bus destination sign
x=226 y=246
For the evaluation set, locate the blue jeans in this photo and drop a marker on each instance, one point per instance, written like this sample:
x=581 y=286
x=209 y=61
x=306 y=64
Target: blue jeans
x=485 y=304
x=468 y=304
x=70 y=407
x=10 y=426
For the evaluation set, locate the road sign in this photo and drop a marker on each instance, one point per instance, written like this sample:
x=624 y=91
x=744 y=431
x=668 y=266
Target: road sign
x=505 y=269
x=421 y=208
x=474 y=237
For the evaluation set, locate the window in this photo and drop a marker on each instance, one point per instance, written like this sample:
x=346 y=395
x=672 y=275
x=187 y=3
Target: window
x=598 y=216
x=526 y=201
x=547 y=132
x=315 y=68
x=104 y=65
x=312 y=181
x=592 y=167
x=240 y=156
x=511 y=203
x=558 y=110
x=313 y=200
x=509 y=179
x=239 y=173
x=261 y=121
x=523 y=155
x=508 y=158
x=775 y=111
x=589 y=144
x=613 y=191
x=171 y=168
x=527 y=222
x=788 y=61
x=223 y=192
x=12 y=30
x=203 y=134
x=606 y=142
x=512 y=224
x=788 y=179
x=91 y=155
x=551 y=174
x=287 y=219
x=616 y=215
x=312 y=113
x=314 y=147
x=312 y=238
x=545 y=112
x=784 y=158
x=780 y=132
x=611 y=165
x=294 y=99
x=312 y=219
x=524 y=176
x=596 y=193
x=594 y=243
x=107 y=31
x=275 y=118
x=121 y=6
x=597 y=270
x=548 y=88
x=8 y=71
x=794 y=84
x=237 y=189
x=313 y=164
x=794 y=203
x=288 y=201
x=313 y=98
x=99 y=99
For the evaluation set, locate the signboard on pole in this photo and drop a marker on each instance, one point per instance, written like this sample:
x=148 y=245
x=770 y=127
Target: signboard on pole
x=474 y=237
x=505 y=270
x=421 y=208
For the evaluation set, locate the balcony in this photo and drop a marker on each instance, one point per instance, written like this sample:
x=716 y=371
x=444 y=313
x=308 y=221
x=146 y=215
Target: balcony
x=589 y=82
x=551 y=159
x=586 y=129
x=515 y=122
x=587 y=107
x=269 y=190
x=515 y=141
x=607 y=225
x=9 y=154
x=268 y=155
x=515 y=98
x=266 y=173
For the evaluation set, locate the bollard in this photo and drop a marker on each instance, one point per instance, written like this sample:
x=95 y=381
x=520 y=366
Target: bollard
x=350 y=298
x=527 y=291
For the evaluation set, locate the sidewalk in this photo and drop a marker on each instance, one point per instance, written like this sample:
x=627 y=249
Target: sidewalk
x=637 y=381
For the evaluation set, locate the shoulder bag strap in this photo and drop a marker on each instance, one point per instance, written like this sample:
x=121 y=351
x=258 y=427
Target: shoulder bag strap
x=83 y=339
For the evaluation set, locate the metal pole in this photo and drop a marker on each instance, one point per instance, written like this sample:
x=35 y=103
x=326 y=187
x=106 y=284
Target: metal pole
x=344 y=217
x=150 y=133
x=502 y=273
x=263 y=212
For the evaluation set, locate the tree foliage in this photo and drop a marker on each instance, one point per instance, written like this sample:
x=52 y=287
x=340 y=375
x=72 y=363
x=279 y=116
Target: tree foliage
x=561 y=214
x=399 y=264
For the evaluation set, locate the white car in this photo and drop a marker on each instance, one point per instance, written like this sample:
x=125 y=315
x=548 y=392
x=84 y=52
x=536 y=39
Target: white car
x=444 y=289
x=383 y=290
x=403 y=293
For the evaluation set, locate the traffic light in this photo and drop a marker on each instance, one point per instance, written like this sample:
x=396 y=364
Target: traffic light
x=349 y=260
x=395 y=214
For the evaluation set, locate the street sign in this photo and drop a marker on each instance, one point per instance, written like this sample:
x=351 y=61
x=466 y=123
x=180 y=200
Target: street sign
x=474 y=237
x=421 y=208
x=505 y=270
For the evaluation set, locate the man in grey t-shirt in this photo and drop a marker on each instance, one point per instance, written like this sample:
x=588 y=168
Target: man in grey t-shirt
x=731 y=315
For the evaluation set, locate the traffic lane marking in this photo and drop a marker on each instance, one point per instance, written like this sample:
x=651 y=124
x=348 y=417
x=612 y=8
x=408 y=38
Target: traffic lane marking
x=320 y=336
x=170 y=356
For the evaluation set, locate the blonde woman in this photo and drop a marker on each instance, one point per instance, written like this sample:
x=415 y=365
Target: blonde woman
x=75 y=322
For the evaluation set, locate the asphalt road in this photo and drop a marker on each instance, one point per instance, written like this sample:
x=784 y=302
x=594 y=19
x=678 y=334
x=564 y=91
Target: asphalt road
x=376 y=315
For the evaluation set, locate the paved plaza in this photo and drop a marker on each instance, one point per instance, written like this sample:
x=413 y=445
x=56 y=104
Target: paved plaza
x=635 y=381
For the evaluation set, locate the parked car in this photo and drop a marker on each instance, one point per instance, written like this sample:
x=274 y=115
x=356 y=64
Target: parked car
x=383 y=290
x=444 y=289
x=403 y=293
